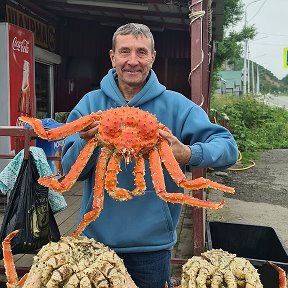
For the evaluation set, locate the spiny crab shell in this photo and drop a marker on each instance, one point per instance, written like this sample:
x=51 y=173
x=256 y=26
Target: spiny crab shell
x=216 y=269
x=72 y=262
x=129 y=130
x=125 y=133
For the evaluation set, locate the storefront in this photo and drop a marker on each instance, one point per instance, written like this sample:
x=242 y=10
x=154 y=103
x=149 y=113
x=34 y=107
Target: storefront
x=28 y=66
x=44 y=53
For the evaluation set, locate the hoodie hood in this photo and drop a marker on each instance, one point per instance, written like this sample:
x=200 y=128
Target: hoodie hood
x=151 y=90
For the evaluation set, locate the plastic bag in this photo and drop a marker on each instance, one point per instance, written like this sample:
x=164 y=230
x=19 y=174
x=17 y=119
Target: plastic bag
x=29 y=211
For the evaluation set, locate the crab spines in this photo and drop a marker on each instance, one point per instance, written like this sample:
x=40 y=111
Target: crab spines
x=181 y=198
x=126 y=134
x=128 y=130
x=74 y=172
x=179 y=177
x=218 y=268
x=113 y=168
x=170 y=162
x=62 y=131
x=36 y=125
x=98 y=196
x=139 y=173
x=159 y=184
x=201 y=183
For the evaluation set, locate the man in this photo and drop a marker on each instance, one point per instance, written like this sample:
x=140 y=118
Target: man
x=143 y=230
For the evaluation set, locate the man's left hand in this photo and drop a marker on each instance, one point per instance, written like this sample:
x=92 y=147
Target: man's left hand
x=182 y=152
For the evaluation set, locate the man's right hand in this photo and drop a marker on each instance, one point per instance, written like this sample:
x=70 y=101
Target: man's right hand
x=89 y=132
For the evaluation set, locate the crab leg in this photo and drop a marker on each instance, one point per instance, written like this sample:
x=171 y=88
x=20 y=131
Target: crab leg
x=139 y=173
x=159 y=184
x=74 y=172
x=98 y=197
x=113 y=168
x=282 y=275
x=179 y=177
x=10 y=270
x=63 y=131
x=122 y=194
x=23 y=280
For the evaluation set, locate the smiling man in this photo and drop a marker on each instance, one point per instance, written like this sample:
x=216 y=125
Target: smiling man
x=143 y=230
x=132 y=56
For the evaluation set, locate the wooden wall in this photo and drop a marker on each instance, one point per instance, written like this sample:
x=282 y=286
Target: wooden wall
x=84 y=47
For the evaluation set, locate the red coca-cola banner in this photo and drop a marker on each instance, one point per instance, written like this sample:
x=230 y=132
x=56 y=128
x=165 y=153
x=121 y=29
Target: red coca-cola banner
x=21 y=72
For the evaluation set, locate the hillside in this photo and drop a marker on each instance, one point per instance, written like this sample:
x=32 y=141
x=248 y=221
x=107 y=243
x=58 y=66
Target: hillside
x=269 y=83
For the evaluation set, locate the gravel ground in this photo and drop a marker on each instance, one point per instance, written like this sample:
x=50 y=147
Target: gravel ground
x=261 y=196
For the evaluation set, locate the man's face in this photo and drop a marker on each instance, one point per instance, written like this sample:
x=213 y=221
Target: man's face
x=133 y=59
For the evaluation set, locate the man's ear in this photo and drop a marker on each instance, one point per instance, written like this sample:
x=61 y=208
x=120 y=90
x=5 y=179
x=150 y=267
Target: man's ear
x=153 y=58
x=111 y=54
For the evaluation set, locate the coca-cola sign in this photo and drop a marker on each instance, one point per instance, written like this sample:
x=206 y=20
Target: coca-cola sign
x=21 y=72
x=20 y=45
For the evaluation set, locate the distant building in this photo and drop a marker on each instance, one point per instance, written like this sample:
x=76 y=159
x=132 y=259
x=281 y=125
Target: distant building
x=230 y=82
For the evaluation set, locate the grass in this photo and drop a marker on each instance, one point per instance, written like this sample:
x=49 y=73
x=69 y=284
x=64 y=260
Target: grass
x=255 y=125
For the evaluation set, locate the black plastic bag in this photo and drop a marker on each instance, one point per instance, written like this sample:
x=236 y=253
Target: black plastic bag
x=28 y=210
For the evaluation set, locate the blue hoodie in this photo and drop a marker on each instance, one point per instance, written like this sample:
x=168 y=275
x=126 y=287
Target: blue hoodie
x=146 y=223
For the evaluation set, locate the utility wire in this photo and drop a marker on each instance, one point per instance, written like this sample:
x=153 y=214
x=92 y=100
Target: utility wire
x=260 y=8
x=270 y=44
x=280 y=35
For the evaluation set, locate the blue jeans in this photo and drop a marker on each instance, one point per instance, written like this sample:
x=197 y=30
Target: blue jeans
x=148 y=269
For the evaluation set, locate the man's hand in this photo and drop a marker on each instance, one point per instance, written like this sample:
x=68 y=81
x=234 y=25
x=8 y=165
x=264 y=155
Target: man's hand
x=89 y=132
x=182 y=153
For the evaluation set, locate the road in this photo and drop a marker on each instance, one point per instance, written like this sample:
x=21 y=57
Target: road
x=278 y=101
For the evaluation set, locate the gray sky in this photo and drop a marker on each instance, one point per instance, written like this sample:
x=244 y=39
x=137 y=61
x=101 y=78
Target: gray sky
x=270 y=18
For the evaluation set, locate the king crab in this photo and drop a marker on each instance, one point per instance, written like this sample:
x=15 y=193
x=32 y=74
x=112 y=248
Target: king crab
x=124 y=133
x=71 y=262
x=217 y=268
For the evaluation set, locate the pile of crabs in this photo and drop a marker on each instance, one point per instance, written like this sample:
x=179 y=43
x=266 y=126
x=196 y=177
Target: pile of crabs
x=79 y=262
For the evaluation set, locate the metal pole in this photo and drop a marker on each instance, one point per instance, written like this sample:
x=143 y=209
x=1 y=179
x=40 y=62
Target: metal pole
x=257 y=81
x=246 y=49
x=245 y=59
x=253 y=78
x=248 y=67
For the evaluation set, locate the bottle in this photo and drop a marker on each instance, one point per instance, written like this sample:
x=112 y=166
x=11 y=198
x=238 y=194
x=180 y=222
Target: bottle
x=24 y=104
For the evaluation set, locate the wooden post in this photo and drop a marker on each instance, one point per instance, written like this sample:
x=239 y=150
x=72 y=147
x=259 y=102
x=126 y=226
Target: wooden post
x=199 y=94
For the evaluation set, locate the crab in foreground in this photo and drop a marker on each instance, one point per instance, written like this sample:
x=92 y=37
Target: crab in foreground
x=73 y=262
x=217 y=268
x=124 y=133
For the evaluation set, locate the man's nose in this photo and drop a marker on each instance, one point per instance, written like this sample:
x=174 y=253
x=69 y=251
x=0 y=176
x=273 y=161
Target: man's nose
x=133 y=59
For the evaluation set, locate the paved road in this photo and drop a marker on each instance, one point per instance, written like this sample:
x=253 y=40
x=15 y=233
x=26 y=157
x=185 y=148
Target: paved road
x=278 y=101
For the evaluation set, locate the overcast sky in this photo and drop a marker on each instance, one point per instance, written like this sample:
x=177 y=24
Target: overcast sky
x=270 y=18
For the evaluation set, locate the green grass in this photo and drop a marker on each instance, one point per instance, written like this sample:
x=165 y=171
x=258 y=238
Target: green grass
x=255 y=125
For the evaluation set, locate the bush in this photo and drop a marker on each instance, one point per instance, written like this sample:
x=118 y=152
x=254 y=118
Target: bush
x=255 y=125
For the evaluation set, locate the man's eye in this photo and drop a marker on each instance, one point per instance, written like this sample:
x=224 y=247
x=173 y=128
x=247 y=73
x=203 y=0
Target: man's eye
x=142 y=52
x=124 y=51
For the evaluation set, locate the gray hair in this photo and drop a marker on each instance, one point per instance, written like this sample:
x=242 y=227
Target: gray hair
x=134 y=29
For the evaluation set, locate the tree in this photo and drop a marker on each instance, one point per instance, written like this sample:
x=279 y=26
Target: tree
x=230 y=48
x=285 y=80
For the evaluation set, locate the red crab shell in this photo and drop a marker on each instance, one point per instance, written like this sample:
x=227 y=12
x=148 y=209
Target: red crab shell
x=130 y=130
x=124 y=132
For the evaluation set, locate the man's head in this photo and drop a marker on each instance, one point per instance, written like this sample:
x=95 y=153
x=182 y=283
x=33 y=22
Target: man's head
x=136 y=30
x=132 y=55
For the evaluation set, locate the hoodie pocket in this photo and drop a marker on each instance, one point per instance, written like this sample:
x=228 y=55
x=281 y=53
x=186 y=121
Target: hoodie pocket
x=143 y=221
